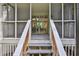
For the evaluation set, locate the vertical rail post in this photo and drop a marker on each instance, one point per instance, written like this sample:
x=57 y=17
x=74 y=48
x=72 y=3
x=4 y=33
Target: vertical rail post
x=15 y=20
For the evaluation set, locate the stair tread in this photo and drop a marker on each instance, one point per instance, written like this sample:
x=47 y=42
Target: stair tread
x=39 y=44
x=39 y=51
x=41 y=36
x=39 y=41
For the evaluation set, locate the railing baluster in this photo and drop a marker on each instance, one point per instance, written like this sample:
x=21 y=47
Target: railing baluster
x=9 y=49
x=72 y=50
x=75 y=50
x=12 y=48
x=4 y=50
x=68 y=50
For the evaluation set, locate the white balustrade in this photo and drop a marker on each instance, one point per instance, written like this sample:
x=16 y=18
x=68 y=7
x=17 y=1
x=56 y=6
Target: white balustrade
x=8 y=46
x=70 y=49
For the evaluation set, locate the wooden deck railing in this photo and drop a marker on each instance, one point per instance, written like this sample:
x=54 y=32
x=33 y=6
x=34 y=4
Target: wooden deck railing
x=57 y=46
x=22 y=46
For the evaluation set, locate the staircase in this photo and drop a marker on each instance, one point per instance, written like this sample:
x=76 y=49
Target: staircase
x=39 y=45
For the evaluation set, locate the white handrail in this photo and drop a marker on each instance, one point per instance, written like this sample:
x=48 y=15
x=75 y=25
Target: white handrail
x=22 y=39
x=58 y=42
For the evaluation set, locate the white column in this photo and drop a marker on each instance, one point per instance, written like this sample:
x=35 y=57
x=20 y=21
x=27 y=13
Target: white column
x=75 y=25
x=1 y=34
x=75 y=21
x=30 y=24
x=30 y=11
x=62 y=20
x=50 y=25
x=15 y=20
x=49 y=20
